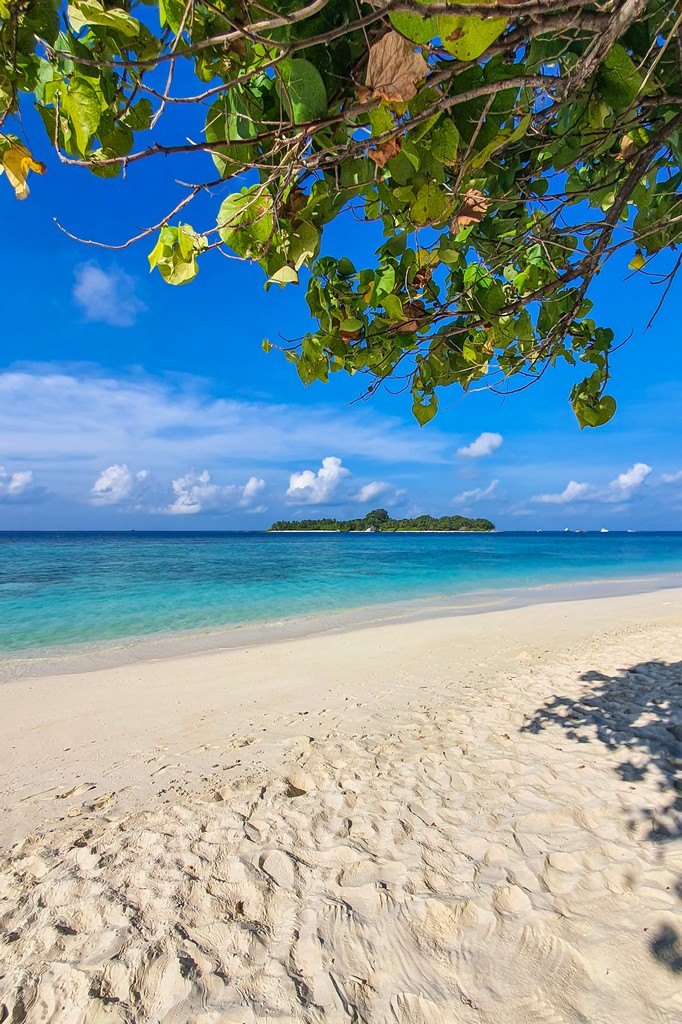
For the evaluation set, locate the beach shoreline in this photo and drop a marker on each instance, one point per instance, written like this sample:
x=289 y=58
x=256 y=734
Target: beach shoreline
x=135 y=649
x=467 y=818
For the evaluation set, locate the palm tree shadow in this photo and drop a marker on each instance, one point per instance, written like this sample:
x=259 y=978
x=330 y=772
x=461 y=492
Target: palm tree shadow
x=637 y=712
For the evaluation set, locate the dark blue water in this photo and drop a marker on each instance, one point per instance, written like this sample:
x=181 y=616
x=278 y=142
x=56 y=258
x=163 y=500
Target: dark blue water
x=69 y=588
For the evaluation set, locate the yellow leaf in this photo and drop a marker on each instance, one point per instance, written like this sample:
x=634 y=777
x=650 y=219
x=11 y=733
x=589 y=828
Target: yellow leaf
x=17 y=162
x=637 y=262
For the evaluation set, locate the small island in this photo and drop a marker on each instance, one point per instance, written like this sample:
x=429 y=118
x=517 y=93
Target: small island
x=379 y=521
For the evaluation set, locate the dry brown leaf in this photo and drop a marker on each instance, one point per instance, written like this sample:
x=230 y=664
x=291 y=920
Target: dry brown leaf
x=383 y=153
x=423 y=276
x=627 y=148
x=18 y=161
x=473 y=209
x=393 y=69
x=414 y=311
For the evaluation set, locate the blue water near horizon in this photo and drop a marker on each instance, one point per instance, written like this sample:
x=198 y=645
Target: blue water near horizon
x=62 y=589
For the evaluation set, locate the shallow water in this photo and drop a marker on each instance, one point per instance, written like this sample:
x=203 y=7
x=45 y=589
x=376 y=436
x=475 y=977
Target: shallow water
x=58 y=590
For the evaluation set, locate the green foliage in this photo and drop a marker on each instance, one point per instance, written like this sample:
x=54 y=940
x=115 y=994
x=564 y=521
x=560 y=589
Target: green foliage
x=466 y=140
x=175 y=254
x=302 y=90
x=379 y=521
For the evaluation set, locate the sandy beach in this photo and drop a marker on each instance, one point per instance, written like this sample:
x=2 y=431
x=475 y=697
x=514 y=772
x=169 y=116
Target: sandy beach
x=465 y=819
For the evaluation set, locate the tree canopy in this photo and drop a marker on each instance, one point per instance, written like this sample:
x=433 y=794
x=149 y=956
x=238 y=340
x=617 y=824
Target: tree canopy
x=379 y=521
x=506 y=149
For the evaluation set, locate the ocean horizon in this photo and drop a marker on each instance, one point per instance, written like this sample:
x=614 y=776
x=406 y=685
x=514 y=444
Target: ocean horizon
x=63 y=590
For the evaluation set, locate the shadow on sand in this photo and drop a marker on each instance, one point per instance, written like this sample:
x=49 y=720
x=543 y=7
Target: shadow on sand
x=638 y=713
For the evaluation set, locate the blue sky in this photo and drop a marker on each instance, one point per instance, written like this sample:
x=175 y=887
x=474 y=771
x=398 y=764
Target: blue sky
x=128 y=404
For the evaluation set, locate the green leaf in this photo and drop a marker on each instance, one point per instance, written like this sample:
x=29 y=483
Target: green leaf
x=284 y=276
x=504 y=138
x=82 y=13
x=266 y=345
x=618 y=78
x=351 y=325
x=302 y=90
x=345 y=267
x=224 y=125
x=83 y=106
x=591 y=408
x=106 y=170
x=430 y=205
x=445 y=142
x=424 y=409
x=414 y=27
x=384 y=283
x=138 y=117
x=393 y=306
x=171 y=13
x=467 y=37
x=304 y=244
x=174 y=254
x=117 y=142
x=245 y=221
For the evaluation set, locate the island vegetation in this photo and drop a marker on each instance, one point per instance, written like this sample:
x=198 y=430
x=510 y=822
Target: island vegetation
x=379 y=521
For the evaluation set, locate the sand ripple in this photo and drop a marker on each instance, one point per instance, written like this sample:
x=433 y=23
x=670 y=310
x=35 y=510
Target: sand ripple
x=510 y=854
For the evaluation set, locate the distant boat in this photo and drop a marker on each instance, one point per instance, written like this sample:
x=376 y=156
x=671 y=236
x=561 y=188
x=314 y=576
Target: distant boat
x=603 y=530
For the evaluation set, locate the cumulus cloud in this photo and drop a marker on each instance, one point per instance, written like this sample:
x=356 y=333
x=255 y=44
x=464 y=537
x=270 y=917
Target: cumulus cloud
x=117 y=485
x=19 y=487
x=485 y=444
x=310 y=488
x=195 y=492
x=619 y=489
x=476 y=494
x=107 y=296
x=672 y=478
x=573 y=491
x=252 y=488
x=375 y=489
x=631 y=479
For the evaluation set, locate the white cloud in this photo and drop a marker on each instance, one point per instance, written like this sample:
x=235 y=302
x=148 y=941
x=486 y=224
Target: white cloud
x=485 y=444
x=253 y=486
x=631 y=479
x=72 y=423
x=572 y=492
x=310 y=488
x=619 y=489
x=373 y=490
x=376 y=489
x=107 y=296
x=192 y=492
x=18 y=486
x=117 y=485
x=195 y=492
x=672 y=478
x=477 y=494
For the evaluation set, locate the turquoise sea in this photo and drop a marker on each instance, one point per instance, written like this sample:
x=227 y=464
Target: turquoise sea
x=64 y=589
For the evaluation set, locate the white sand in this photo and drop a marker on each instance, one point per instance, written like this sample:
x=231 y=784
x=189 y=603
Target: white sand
x=459 y=820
